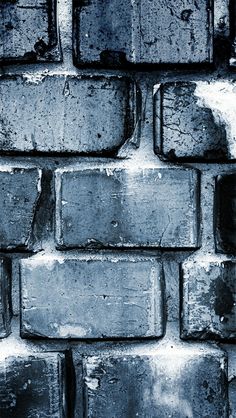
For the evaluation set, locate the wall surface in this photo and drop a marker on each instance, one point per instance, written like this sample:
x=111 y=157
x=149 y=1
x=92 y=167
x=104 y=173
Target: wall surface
x=117 y=209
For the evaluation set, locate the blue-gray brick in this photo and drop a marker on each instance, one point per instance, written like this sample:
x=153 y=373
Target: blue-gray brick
x=62 y=113
x=225 y=209
x=117 y=207
x=111 y=32
x=195 y=120
x=5 y=289
x=173 y=382
x=28 y=31
x=208 y=306
x=20 y=190
x=32 y=385
x=91 y=297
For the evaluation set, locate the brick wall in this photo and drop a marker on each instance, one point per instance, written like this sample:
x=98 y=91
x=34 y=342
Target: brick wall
x=117 y=209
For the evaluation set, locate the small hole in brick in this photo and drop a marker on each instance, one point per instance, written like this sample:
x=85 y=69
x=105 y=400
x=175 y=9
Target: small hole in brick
x=114 y=223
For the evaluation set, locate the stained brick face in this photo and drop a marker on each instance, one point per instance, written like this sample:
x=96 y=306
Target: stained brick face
x=45 y=113
x=142 y=384
x=20 y=190
x=116 y=297
x=143 y=31
x=117 y=209
x=32 y=385
x=96 y=206
x=28 y=31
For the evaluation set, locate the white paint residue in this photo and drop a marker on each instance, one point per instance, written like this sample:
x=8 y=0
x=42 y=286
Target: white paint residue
x=13 y=347
x=70 y=331
x=92 y=383
x=34 y=78
x=156 y=87
x=220 y=97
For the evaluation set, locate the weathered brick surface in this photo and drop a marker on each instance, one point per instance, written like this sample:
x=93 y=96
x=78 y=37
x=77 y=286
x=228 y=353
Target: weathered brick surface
x=96 y=207
x=209 y=291
x=163 y=32
x=63 y=113
x=172 y=382
x=28 y=30
x=32 y=385
x=104 y=297
x=196 y=120
x=225 y=213
x=5 y=289
x=117 y=162
x=20 y=189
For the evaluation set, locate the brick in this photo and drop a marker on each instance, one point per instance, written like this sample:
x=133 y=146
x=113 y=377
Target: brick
x=32 y=386
x=222 y=18
x=233 y=31
x=5 y=308
x=28 y=31
x=225 y=213
x=209 y=291
x=143 y=32
x=63 y=113
x=118 y=207
x=20 y=190
x=172 y=382
x=195 y=120
x=105 y=297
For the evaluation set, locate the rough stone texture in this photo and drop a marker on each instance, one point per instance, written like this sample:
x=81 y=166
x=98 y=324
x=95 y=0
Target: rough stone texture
x=196 y=120
x=28 y=31
x=5 y=289
x=20 y=189
x=226 y=213
x=221 y=18
x=111 y=32
x=91 y=297
x=233 y=31
x=172 y=382
x=32 y=385
x=63 y=113
x=110 y=207
x=209 y=291
x=127 y=203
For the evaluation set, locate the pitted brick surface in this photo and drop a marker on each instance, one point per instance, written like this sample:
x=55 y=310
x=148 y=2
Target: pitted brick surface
x=117 y=209
x=104 y=298
x=64 y=113
x=122 y=208
x=28 y=31
x=156 y=31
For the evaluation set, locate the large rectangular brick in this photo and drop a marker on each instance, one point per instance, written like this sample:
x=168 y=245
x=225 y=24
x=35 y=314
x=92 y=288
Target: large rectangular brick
x=104 y=297
x=62 y=113
x=5 y=297
x=111 y=32
x=20 y=190
x=196 y=120
x=118 y=207
x=28 y=31
x=225 y=213
x=32 y=385
x=173 y=382
x=209 y=292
